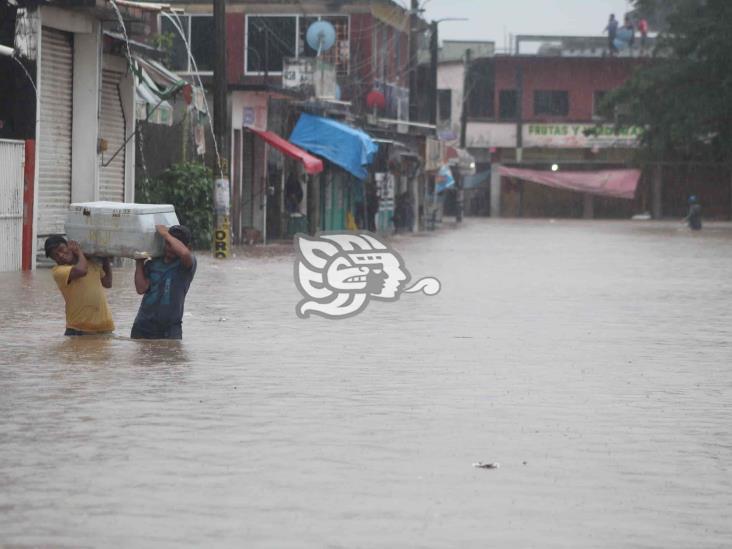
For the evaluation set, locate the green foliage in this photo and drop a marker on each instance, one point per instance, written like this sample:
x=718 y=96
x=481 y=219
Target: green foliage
x=189 y=187
x=164 y=42
x=683 y=97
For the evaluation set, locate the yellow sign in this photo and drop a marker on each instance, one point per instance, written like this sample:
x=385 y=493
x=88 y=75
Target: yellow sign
x=221 y=240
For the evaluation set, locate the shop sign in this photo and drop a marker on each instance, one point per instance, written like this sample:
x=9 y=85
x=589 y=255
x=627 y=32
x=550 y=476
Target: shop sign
x=580 y=136
x=311 y=75
x=221 y=240
x=252 y=108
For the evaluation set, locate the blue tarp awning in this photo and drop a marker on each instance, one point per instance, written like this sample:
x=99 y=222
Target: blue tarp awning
x=347 y=147
x=480 y=179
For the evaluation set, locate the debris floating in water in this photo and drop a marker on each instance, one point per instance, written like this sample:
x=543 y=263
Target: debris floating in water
x=481 y=465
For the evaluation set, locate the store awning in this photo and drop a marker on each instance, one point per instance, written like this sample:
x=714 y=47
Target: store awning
x=350 y=148
x=480 y=179
x=613 y=183
x=311 y=164
x=156 y=85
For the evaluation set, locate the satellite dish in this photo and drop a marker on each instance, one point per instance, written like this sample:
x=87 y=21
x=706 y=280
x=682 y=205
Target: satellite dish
x=321 y=36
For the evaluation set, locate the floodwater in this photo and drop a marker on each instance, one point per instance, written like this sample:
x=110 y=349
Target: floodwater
x=592 y=360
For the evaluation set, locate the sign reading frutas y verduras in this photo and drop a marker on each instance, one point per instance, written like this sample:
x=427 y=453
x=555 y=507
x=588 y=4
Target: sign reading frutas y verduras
x=579 y=136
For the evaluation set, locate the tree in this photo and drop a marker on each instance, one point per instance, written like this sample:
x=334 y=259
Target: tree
x=683 y=96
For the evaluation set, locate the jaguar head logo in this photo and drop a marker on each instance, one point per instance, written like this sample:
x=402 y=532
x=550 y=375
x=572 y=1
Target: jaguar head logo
x=339 y=273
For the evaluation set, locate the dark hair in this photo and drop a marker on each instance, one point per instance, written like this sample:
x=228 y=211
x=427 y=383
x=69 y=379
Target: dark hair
x=53 y=242
x=182 y=233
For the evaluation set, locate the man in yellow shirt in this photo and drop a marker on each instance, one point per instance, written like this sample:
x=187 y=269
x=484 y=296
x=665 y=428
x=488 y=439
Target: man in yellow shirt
x=80 y=280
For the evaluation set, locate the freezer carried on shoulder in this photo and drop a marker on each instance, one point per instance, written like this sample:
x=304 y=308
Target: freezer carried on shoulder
x=118 y=229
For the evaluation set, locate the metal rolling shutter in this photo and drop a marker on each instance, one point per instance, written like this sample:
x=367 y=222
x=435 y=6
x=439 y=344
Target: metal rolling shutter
x=54 y=155
x=112 y=128
x=12 y=160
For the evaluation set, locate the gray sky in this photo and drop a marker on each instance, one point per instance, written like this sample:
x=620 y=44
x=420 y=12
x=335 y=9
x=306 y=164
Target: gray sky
x=491 y=19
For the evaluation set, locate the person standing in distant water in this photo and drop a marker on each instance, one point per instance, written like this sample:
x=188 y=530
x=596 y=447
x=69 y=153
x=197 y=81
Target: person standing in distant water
x=694 y=217
x=612 y=33
x=643 y=29
x=293 y=194
x=372 y=205
x=163 y=282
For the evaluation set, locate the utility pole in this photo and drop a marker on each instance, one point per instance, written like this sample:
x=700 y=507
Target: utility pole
x=413 y=61
x=519 y=113
x=219 y=76
x=520 y=129
x=463 y=131
x=222 y=188
x=433 y=73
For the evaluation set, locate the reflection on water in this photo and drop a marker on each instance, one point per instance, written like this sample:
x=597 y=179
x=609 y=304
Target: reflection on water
x=106 y=350
x=590 y=359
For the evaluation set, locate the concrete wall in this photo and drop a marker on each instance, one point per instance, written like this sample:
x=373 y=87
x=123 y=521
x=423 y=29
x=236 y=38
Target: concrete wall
x=450 y=76
x=85 y=130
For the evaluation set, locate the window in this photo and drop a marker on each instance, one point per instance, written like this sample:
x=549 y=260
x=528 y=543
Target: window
x=481 y=85
x=339 y=53
x=553 y=103
x=199 y=32
x=507 y=106
x=597 y=98
x=270 y=39
x=444 y=105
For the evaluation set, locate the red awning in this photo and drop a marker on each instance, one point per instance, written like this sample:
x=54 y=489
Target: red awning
x=312 y=164
x=614 y=183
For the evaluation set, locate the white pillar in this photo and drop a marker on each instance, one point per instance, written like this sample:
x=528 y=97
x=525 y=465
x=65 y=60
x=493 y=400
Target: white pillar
x=85 y=125
x=588 y=207
x=127 y=86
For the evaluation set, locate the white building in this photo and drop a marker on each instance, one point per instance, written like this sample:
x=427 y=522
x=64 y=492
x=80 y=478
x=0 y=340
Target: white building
x=83 y=134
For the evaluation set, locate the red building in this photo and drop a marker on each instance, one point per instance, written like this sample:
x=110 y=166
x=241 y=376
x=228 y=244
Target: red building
x=541 y=112
x=557 y=89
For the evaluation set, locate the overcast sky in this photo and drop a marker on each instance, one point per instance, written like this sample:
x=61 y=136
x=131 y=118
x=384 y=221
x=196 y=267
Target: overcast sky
x=492 y=19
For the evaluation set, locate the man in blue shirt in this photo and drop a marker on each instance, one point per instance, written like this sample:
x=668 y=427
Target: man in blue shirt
x=164 y=283
x=694 y=218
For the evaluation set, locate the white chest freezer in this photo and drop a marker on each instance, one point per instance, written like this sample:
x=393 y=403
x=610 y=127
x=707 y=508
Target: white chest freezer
x=117 y=229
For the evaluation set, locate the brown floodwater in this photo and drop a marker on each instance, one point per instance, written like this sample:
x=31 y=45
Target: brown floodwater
x=591 y=360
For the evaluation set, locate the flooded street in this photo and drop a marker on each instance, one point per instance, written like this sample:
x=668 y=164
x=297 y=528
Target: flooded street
x=592 y=360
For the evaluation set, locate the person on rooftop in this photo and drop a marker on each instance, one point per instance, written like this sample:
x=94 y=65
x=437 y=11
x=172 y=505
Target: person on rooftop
x=612 y=33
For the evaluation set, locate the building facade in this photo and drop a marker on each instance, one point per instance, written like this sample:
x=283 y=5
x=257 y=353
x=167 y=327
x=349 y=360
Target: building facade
x=69 y=93
x=274 y=74
x=541 y=111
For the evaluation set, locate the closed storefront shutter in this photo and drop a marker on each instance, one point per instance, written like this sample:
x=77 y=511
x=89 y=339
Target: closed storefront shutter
x=54 y=154
x=12 y=160
x=112 y=130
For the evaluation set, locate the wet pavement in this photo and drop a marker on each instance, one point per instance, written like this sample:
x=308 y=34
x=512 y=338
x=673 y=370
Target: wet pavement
x=591 y=360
